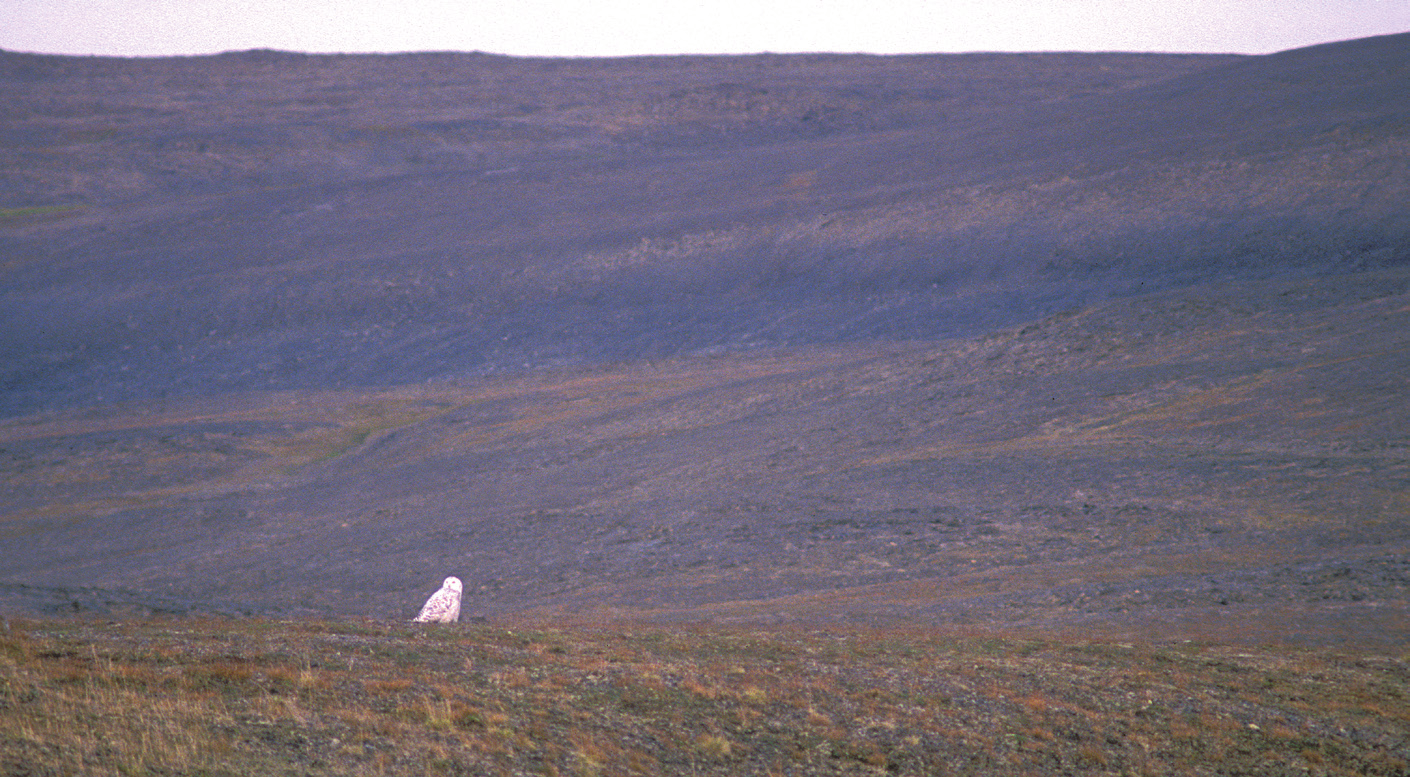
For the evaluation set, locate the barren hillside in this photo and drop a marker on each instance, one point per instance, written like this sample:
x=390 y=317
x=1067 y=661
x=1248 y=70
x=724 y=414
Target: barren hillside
x=1106 y=342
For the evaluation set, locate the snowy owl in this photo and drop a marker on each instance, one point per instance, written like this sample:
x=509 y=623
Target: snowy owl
x=444 y=605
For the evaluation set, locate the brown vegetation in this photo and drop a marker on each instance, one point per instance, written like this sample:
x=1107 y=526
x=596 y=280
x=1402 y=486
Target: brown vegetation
x=263 y=697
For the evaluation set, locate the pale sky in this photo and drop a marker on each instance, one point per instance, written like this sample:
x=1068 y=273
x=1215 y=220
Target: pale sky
x=624 y=27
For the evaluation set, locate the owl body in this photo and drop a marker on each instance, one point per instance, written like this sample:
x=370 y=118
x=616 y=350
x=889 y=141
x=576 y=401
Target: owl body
x=444 y=605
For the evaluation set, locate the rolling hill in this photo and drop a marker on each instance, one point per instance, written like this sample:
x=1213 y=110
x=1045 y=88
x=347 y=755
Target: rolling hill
x=1093 y=342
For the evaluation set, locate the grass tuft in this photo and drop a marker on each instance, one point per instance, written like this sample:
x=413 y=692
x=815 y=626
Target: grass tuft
x=17 y=215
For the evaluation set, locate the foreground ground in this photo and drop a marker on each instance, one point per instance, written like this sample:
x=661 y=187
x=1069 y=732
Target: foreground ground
x=225 y=697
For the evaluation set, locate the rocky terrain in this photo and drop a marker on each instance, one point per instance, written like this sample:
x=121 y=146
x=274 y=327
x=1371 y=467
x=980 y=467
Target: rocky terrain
x=1066 y=344
x=253 y=697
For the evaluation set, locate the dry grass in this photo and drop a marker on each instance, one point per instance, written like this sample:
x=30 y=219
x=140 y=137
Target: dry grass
x=259 y=697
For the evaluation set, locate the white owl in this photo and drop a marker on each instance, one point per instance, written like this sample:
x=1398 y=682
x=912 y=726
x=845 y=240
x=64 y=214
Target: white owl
x=444 y=605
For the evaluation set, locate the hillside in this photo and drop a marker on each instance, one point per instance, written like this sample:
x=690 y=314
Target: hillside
x=251 y=697
x=270 y=221
x=1070 y=343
